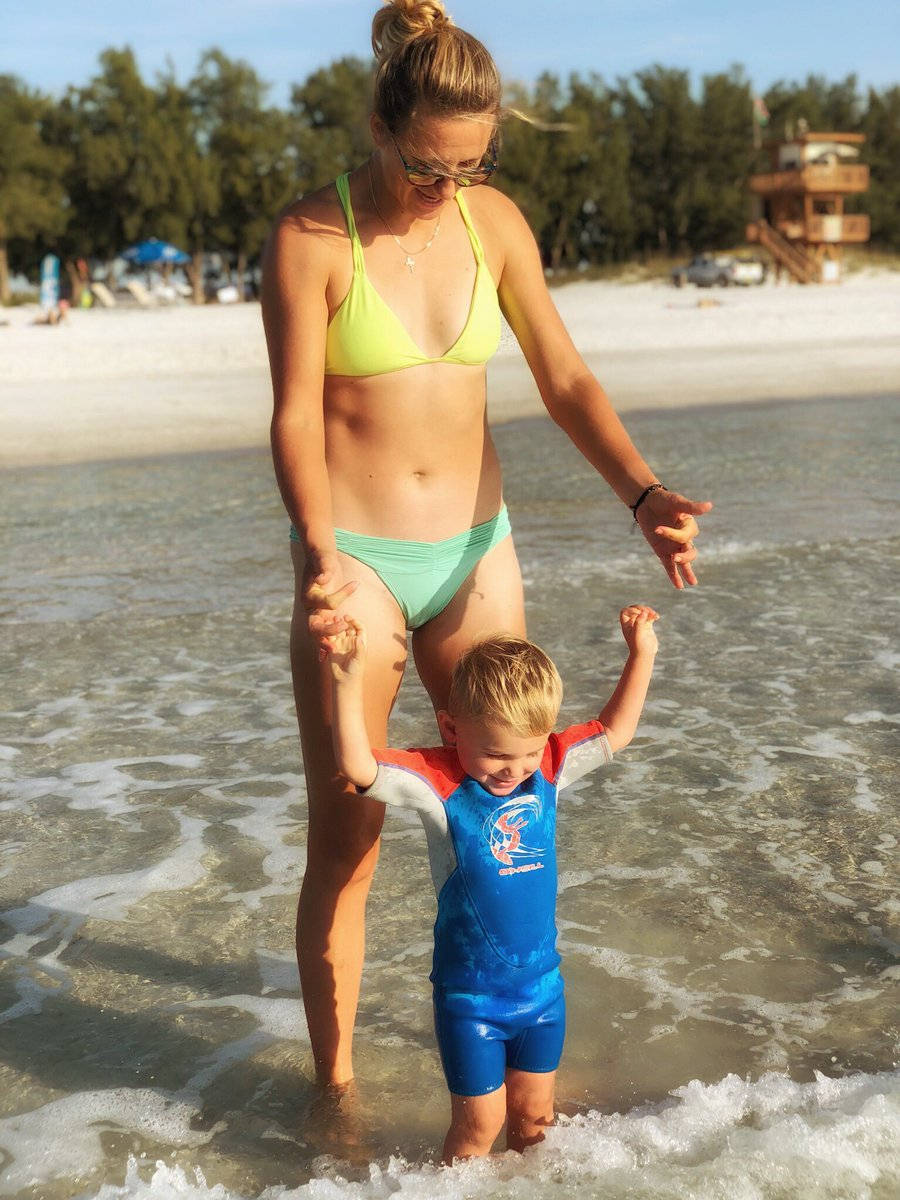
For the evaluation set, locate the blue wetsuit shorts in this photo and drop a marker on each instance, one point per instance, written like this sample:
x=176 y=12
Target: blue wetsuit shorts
x=481 y=1037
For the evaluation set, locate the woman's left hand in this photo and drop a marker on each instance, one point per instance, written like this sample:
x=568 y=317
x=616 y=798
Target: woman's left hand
x=668 y=522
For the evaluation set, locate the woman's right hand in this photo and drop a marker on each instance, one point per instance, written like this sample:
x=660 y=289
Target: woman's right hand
x=323 y=592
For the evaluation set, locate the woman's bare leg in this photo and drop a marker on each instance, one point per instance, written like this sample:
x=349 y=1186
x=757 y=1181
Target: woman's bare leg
x=343 y=828
x=490 y=601
x=342 y=844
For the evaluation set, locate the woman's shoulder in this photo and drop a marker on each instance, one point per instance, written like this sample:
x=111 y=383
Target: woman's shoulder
x=495 y=214
x=313 y=223
x=490 y=202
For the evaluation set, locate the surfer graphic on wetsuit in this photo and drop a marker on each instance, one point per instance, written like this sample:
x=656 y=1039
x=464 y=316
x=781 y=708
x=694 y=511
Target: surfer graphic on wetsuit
x=504 y=831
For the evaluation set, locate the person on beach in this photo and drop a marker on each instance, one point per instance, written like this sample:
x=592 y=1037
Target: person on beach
x=382 y=301
x=487 y=799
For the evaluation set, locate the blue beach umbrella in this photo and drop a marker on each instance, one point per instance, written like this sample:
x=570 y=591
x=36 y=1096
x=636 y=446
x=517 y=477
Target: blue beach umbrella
x=154 y=251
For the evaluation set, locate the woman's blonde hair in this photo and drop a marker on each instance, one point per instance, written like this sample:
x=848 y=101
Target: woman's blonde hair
x=510 y=681
x=426 y=64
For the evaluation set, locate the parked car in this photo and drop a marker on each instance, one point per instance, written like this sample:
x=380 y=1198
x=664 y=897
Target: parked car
x=709 y=270
x=749 y=270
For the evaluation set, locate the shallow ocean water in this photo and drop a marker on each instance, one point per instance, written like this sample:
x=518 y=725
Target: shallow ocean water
x=728 y=908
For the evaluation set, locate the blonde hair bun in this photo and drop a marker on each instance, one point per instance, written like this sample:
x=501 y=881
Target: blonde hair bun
x=426 y=64
x=402 y=21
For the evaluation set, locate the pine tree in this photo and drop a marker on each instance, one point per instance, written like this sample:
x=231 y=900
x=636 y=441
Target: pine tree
x=250 y=154
x=331 y=109
x=662 y=123
x=123 y=165
x=31 y=192
x=724 y=158
x=881 y=124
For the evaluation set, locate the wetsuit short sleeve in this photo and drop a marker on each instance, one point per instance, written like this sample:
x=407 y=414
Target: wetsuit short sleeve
x=422 y=780
x=415 y=779
x=574 y=752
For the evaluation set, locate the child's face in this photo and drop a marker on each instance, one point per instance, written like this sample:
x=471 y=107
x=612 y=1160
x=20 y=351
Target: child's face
x=492 y=754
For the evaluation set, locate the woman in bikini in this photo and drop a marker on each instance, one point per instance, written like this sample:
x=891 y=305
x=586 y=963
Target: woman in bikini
x=382 y=298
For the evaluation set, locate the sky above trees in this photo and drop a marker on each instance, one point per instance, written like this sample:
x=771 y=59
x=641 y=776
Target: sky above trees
x=54 y=44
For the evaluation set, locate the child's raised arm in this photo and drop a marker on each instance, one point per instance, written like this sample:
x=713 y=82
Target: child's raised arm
x=345 y=652
x=622 y=711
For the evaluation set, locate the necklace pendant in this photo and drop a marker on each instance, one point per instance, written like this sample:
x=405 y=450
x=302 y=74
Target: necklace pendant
x=410 y=262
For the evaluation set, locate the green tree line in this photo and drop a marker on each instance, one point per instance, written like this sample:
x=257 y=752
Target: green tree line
x=604 y=172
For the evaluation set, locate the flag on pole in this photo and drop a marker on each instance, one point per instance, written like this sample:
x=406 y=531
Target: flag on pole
x=760 y=112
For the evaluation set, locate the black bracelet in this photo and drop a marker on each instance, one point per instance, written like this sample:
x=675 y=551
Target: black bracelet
x=654 y=487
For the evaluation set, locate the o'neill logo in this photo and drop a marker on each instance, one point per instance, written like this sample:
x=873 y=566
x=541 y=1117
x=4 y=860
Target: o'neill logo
x=505 y=831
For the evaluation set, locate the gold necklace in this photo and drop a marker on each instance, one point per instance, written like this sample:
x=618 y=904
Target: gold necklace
x=410 y=259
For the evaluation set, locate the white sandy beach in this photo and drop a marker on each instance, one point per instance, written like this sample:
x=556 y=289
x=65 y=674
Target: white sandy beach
x=133 y=382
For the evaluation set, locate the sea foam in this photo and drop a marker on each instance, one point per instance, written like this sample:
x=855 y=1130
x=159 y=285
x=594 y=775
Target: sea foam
x=831 y=1139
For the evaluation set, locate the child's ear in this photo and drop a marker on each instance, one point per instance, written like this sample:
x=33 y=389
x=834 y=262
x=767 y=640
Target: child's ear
x=447 y=726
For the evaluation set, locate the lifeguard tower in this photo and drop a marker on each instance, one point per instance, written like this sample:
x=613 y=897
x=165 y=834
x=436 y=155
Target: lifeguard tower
x=798 y=206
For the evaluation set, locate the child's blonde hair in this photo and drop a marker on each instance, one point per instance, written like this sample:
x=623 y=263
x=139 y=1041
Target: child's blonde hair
x=508 y=680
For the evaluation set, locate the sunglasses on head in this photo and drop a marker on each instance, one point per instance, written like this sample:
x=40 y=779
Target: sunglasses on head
x=421 y=175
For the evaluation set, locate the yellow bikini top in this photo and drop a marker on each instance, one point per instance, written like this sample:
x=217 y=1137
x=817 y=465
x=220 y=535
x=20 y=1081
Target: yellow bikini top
x=366 y=338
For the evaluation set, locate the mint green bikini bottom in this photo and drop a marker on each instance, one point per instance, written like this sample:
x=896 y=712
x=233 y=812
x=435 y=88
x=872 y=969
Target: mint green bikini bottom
x=423 y=577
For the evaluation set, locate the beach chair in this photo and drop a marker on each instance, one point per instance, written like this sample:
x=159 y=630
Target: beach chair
x=140 y=293
x=164 y=293
x=103 y=294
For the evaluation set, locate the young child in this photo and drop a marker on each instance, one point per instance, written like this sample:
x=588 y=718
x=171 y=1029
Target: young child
x=487 y=800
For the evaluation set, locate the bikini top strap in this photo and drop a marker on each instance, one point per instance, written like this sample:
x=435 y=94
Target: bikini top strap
x=342 y=184
x=467 y=220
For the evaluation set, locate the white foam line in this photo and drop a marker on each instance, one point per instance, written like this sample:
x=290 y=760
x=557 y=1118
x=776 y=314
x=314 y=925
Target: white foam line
x=267 y=737
x=280 y=1018
x=49 y=738
x=268 y=824
x=62 y=1139
x=733 y=1140
x=872 y=717
x=109 y=897
x=649 y=973
x=60 y=912
x=224 y=1058
x=790 y=1022
x=103 y=785
x=196 y=708
x=277 y=971
x=32 y=993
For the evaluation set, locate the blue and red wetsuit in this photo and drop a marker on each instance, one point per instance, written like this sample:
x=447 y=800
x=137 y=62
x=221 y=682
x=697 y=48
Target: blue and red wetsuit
x=498 y=991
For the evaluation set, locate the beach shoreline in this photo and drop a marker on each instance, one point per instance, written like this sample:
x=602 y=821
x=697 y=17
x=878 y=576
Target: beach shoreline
x=132 y=383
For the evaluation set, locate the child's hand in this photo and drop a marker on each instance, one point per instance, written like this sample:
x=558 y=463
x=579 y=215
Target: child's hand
x=345 y=651
x=637 y=628
x=323 y=595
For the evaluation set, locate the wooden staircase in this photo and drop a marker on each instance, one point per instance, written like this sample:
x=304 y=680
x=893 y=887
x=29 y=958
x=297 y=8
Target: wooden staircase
x=803 y=268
